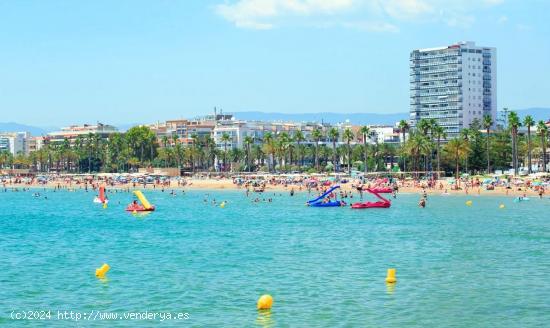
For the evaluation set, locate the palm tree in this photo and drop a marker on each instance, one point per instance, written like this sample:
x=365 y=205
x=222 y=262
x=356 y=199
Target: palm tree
x=283 y=143
x=89 y=149
x=317 y=135
x=333 y=134
x=299 y=138
x=528 y=122
x=365 y=131
x=514 y=123
x=423 y=126
x=542 y=131
x=193 y=153
x=417 y=146
x=165 y=141
x=487 y=124
x=439 y=133
x=225 y=139
x=457 y=149
x=404 y=127
x=466 y=134
x=270 y=148
x=248 y=141
x=348 y=137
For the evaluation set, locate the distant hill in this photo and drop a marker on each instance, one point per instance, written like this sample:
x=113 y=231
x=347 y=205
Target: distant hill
x=538 y=113
x=16 y=127
x=355 y=118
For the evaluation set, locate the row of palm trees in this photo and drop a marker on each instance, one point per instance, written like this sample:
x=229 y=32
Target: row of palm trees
x=423 y=148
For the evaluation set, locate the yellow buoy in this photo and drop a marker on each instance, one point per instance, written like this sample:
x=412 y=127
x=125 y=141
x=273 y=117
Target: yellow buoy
x=104 y=205
x=501 y=206
x=390 y=278
x=222 y=205
x=100 y=272
x=134 y=212
x=265 y=302
x=469 y=203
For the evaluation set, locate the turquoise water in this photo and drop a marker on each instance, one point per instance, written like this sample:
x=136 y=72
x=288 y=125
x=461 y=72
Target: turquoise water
x=457 y=266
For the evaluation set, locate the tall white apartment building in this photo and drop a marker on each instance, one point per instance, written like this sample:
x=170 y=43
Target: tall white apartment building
x=14 y=142
x=454 y=85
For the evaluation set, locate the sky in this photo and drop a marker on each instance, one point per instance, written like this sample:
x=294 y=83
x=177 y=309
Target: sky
x=134 y=61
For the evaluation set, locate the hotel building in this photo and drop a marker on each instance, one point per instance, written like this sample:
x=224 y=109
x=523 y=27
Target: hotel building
x=454 y=85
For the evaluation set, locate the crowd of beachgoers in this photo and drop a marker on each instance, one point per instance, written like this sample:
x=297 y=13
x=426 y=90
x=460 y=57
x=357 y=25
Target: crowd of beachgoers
x=488 y=185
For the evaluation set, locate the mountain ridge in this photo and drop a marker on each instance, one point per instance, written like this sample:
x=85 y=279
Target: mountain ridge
x=538 y=113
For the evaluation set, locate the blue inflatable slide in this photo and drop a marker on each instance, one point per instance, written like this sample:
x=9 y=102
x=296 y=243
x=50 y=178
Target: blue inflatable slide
x=318 y=202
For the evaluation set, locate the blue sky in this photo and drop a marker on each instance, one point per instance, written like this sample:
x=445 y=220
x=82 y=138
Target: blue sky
x=131 y=61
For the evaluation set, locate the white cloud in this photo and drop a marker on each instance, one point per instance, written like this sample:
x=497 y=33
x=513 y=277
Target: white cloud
x=258 y=13
x=460 y=21
x=372 y=26
x=372 y=15
x=406 y=9
x=502 y=19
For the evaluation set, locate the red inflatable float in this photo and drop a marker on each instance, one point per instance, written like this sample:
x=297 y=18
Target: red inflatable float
x=382 y=203
x=139 y=208
x=381 y=190
x=379 y=204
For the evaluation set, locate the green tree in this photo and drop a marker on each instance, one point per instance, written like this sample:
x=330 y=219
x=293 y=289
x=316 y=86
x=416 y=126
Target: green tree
x=299 y=138
x=529 y=122
x=317 y=135
x=542 y=131
x=514 y=124
x=487 y=124
x=404 y=127
x=439 y=134
x=365 y=132
x=248 y=142
x=225 y=139
x=333 y=134
x=348 y=137
x=458 y=150
x=270 y=148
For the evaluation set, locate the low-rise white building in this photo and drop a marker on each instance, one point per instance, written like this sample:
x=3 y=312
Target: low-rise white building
x=72 y=132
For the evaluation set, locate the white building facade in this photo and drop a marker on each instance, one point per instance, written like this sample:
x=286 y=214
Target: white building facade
x=454 y=85
x=14 y=142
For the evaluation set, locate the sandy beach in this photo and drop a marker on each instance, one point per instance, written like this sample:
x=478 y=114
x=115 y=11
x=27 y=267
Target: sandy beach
x=443 y=187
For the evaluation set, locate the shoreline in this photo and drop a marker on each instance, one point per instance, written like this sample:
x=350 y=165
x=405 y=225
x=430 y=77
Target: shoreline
x=226 y=184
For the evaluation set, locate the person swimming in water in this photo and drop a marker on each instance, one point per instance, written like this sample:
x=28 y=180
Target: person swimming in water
x=422 y=202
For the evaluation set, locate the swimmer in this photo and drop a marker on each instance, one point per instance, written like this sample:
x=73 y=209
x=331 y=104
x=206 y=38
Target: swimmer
x=422 y=202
